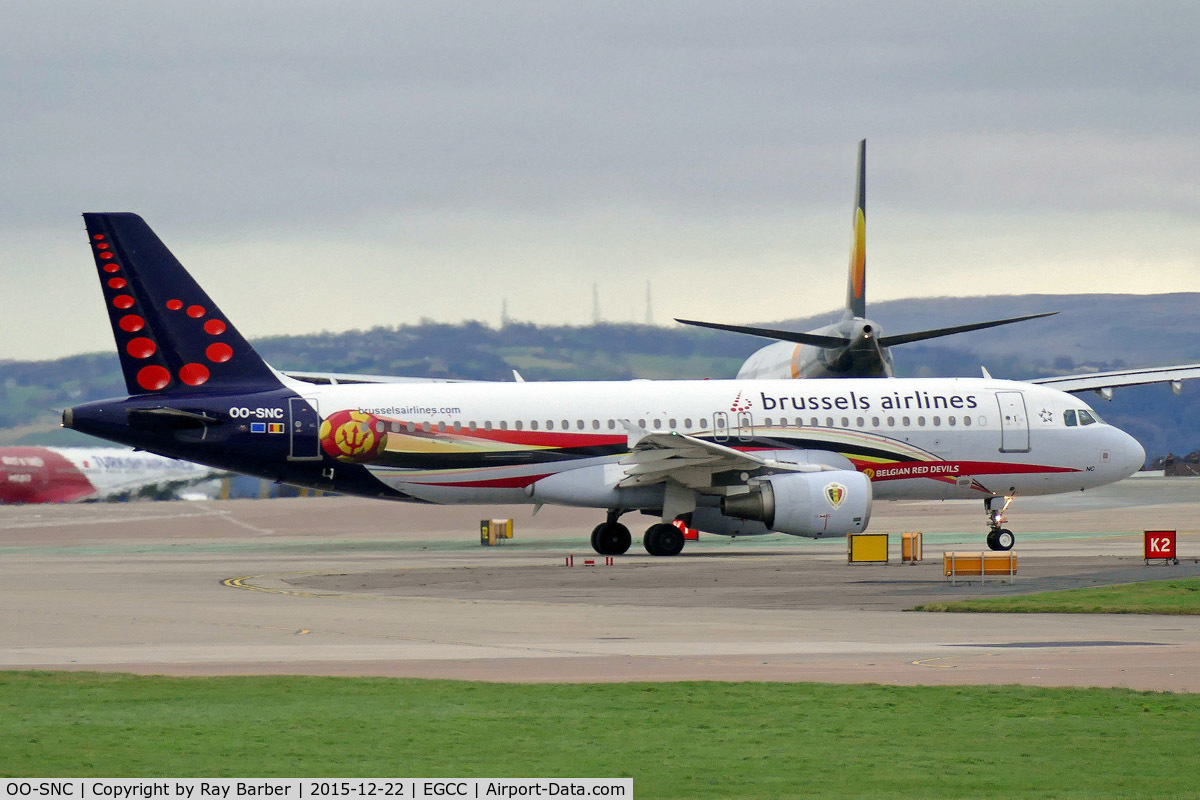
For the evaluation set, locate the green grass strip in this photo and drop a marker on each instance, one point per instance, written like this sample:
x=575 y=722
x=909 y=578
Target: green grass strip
x=686 y=740
x=1146 y=597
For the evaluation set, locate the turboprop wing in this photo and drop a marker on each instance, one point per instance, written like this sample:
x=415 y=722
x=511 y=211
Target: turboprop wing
x=853 y=347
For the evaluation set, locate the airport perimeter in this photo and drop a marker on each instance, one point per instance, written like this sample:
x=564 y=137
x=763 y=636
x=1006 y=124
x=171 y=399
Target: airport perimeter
x=341 y=586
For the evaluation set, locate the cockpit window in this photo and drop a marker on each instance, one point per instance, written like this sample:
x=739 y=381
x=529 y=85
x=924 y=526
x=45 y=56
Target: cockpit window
x=1069 y=418
x=1086 y=418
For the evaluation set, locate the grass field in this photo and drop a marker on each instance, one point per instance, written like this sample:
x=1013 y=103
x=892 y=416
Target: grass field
x=1148 y=597
x=747 y=740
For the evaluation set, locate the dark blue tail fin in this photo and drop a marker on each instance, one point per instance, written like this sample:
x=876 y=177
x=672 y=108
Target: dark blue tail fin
x=172 y=339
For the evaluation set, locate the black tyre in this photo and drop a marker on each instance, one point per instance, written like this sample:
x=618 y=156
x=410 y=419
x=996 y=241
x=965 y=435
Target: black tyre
x=614 y=539
x=670 y=541
x=650 y=539
x=596 y=544
x=991 y=541
x=1005 y=539
x=663 y=540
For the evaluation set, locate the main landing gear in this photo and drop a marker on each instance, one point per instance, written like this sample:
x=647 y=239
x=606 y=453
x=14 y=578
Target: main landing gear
x=663 y=539
x=999 y=537
x=611 y=538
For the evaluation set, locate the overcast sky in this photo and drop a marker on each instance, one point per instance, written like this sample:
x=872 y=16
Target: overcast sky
x=344 y=165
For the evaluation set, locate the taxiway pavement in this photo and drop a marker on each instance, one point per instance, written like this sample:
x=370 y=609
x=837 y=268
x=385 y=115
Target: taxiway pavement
x=343 y=586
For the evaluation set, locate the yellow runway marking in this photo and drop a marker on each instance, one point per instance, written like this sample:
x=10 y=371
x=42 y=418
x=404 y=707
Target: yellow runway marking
x=927 y=662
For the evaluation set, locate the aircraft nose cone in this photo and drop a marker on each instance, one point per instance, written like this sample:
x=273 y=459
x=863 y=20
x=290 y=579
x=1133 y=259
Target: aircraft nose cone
x=1129 y=455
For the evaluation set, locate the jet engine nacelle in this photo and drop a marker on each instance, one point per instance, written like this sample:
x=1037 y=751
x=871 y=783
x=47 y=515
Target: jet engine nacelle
x=830 y=503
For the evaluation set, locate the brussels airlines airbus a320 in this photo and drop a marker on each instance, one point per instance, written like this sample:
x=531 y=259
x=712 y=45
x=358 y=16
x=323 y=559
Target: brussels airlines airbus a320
x=736 y=457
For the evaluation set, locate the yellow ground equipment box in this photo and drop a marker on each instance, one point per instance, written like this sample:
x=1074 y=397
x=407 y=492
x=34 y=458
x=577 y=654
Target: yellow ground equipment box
x=866 y=548
x=912 y=548
x=965 y=565
x=491 y=531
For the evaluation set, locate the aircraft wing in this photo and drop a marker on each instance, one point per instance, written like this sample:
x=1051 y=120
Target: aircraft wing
x=692 y=462
x=347 y=377
x=1105 y=382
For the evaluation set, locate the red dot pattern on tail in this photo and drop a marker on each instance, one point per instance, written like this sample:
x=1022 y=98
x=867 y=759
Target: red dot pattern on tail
x=193 y=374
x=153 y=377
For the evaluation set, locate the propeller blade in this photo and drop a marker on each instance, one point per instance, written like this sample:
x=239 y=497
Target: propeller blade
x=813 y=339
x=918 y=336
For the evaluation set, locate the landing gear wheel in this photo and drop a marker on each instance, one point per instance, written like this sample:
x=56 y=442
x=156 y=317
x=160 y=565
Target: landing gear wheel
x=611 y=539
x=1002 y=539
x=663 y=540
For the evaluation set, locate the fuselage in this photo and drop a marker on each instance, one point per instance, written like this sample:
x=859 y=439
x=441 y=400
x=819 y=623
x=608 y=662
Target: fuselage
x=31 y=474
x=863 y=357
x=492 y=442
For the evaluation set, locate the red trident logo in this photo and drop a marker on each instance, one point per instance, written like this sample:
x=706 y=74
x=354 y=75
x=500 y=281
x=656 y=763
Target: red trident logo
x=353 y=436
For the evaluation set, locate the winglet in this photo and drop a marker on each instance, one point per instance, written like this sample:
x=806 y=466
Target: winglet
x=856 y=287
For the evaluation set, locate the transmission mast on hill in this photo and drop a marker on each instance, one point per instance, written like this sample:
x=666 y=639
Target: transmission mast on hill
x=595 y=304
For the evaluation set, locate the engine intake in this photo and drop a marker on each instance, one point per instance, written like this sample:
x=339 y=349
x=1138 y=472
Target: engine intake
x=831 y=503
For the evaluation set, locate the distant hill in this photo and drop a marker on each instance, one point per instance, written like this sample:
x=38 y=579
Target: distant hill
x=1093 y=332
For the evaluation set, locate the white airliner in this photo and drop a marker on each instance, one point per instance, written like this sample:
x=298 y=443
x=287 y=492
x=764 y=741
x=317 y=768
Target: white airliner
x=737 y=457
x=32 y=474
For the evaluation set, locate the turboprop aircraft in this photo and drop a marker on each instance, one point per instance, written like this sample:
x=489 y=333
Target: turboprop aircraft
x=732 y=457
x=852 y=347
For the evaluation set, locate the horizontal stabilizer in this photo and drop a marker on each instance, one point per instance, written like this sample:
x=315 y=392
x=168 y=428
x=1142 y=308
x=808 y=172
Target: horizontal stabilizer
x=920 y=336
x=813 y=339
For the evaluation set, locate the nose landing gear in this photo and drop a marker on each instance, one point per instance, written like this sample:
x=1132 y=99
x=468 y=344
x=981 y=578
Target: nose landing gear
x=999 y=537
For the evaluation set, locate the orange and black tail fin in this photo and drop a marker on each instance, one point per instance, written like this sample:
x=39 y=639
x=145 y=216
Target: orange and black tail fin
x=856 y=287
